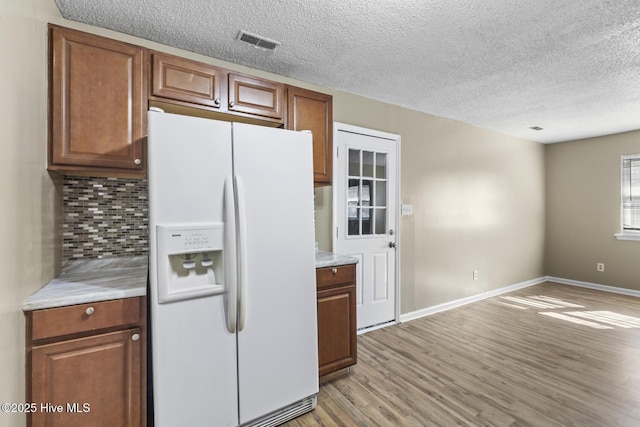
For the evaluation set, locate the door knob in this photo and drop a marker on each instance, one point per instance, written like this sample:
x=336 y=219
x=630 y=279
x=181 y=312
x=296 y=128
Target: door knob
x=392 y=245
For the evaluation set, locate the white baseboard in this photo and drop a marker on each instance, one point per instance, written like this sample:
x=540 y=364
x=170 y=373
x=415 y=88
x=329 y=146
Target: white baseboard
x=473 y=298
x=467 y=300
x=596 y=286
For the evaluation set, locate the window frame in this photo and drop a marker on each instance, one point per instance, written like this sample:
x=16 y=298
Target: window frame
x=626 y=233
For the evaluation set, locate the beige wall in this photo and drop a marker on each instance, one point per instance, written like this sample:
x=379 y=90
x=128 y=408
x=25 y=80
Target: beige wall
x=478 y=196
x=28 y=254
x=478 y=203
x=583 y=211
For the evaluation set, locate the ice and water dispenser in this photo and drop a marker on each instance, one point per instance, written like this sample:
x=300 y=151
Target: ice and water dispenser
x=190 y=261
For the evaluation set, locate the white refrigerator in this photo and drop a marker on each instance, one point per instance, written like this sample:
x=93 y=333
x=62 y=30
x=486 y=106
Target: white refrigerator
x=232 y=272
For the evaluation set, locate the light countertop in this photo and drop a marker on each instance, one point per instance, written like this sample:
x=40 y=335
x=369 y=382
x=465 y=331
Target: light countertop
x=96 y=280
x=330 y=259
x=91 y=281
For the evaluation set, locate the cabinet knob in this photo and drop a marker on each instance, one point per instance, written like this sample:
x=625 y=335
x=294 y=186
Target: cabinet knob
x=137 y=161
x=89 y=311
x=231 y=104
x=334 y=270
x=135 y=337
x=216 y=101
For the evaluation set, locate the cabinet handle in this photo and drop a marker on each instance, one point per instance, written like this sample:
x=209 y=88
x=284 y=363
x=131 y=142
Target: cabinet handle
x=216 y=101
x=231 y=104
x=334 y=270
x=89 y=311
x=137 y=161
x=135 y=337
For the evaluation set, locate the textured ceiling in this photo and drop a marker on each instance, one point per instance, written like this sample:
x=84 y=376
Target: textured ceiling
x=571 y=67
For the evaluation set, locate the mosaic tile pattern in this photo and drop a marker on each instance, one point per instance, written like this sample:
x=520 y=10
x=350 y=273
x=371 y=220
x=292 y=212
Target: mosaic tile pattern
x=104 y=217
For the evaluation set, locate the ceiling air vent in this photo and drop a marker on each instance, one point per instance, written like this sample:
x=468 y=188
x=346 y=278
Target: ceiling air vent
x=258 y=41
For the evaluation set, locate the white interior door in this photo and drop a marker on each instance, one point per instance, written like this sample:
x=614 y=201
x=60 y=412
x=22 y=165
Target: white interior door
x=365 y=215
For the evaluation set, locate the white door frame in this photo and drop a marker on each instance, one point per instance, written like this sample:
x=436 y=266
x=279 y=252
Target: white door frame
x=337 y=127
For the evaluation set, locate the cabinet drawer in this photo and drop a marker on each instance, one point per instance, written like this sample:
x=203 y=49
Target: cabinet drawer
x=330 y=276
x=73 y=319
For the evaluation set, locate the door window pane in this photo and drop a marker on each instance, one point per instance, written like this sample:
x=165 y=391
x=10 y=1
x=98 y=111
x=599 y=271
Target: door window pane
x=354 y=222
x=381 y=165
x=381 y=221
x=353 y=193
x=354 y=162
x=367 y=221
x=367 y=163
x=367 y=192
x=381 y=193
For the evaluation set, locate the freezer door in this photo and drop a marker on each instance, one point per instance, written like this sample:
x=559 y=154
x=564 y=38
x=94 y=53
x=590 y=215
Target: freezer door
x=277 y=345
x=189 y=160
x=194 y=354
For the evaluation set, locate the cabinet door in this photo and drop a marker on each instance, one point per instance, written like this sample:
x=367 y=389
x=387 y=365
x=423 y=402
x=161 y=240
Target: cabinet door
x=255 y=96
x=336 y=328
x=308 y=110
x=98 y=103
x=180 y=79
x=92 y=381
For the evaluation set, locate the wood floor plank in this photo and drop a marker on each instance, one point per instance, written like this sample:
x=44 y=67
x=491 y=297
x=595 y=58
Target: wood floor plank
x=547 y=355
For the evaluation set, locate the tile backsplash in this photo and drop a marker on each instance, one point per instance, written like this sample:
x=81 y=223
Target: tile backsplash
x=104 y=217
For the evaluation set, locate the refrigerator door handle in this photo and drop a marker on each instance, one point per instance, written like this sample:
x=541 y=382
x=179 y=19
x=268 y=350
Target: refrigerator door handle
x=230 y=255
x=242 y=241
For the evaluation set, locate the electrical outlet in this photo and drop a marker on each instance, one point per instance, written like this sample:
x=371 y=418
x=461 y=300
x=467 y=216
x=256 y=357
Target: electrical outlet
x=475 y=274
x=600 y=266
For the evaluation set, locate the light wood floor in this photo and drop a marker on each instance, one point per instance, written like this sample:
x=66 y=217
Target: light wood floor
x=497 y=362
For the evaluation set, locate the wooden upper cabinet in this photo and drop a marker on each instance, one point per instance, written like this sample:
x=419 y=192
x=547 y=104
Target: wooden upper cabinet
x=258 y=97
x=309 y=110
x=98 y=103
x=184 y=80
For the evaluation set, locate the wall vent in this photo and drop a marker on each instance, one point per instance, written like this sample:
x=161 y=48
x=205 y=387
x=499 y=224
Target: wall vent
x=258 y=41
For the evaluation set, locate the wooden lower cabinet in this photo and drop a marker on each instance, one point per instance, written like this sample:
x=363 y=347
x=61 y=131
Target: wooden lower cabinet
x=336 y=295
x=95 y=377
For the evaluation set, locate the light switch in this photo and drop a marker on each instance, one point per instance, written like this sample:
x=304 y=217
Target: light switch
x=406 y=209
